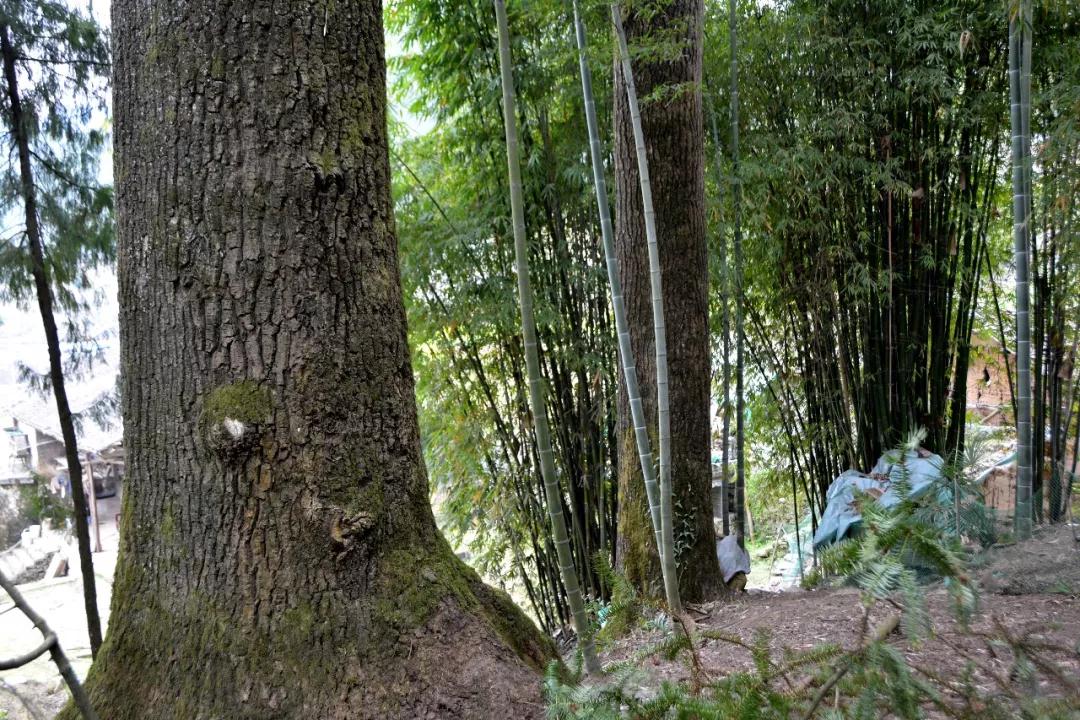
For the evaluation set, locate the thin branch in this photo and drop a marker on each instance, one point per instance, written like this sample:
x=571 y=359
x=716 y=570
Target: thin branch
x=58 y=172
x=73 y=61
x=78 y=694
x=27 y=658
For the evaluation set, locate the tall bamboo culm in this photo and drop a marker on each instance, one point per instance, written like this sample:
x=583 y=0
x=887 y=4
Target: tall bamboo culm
x=626 y=353
x=667 y=548
x=725 y=331
x=1035 y=407
x=737 y=290
x=552 y=492
x=1020 y=151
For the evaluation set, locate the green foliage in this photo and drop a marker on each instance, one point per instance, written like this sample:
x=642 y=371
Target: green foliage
x=622 y=611
x=872 y=164
x=956 y=503
x=859 y=120
x=453 y=225
x=568 y=698
x=63 y=65
x=38 y=503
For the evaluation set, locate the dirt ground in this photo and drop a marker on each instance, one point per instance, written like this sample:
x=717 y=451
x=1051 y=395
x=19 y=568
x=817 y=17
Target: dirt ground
x=1030 y=591
x=800 y=620
x=1048 y=563
x=33 y=699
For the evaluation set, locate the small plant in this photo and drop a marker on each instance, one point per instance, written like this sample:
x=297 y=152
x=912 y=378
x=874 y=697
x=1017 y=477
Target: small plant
x=623 y=612
x=956 y=502
x=685 y=532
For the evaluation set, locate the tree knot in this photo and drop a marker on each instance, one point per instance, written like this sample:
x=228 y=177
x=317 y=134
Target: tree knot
x=347 y=530
x=231 y=417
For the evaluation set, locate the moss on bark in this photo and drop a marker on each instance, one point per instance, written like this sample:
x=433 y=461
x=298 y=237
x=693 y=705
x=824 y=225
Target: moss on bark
x=243 y=401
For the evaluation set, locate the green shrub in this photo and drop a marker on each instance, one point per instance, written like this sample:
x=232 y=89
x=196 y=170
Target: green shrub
x=38 y=503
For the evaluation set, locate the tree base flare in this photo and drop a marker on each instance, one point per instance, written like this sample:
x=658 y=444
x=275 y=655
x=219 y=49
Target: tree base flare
x=442 y=645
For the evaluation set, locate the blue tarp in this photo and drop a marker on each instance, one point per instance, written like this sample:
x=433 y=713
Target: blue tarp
x=921 y=467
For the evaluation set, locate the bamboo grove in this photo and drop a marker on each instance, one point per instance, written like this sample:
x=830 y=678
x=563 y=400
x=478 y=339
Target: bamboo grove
x=875 y=225
x=463 y=312
x=872 y=181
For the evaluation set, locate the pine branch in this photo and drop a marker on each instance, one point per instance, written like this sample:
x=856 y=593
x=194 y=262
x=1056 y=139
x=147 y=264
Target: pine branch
x=72 y=61
x=880 y=633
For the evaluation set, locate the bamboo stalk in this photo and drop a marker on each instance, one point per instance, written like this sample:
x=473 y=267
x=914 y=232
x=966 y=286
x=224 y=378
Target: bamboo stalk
x=552 y=491
x=1076 y=456
x=725 y=330
x=736 y=200
x=1023 y=517
x=667 y=548
x=626 y=353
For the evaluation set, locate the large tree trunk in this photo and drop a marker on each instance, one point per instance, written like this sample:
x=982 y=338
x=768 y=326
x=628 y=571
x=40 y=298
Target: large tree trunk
x=673 y=132
x=279 y=558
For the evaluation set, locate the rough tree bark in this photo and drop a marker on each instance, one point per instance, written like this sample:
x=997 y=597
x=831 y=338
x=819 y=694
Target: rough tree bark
x=674 y=136
x=279 y=558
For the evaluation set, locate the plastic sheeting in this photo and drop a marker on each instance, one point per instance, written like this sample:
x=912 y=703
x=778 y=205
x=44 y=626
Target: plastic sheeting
x=920 y=467
x=733 y=559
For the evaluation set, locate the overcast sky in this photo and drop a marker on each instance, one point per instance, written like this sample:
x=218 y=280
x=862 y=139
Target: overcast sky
x=22 y=339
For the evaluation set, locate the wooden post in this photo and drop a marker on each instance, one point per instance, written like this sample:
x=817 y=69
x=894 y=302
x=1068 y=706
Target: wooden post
x=724 y=499
x=93 y=503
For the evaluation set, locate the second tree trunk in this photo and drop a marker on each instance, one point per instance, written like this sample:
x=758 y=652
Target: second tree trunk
x=673 y=133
